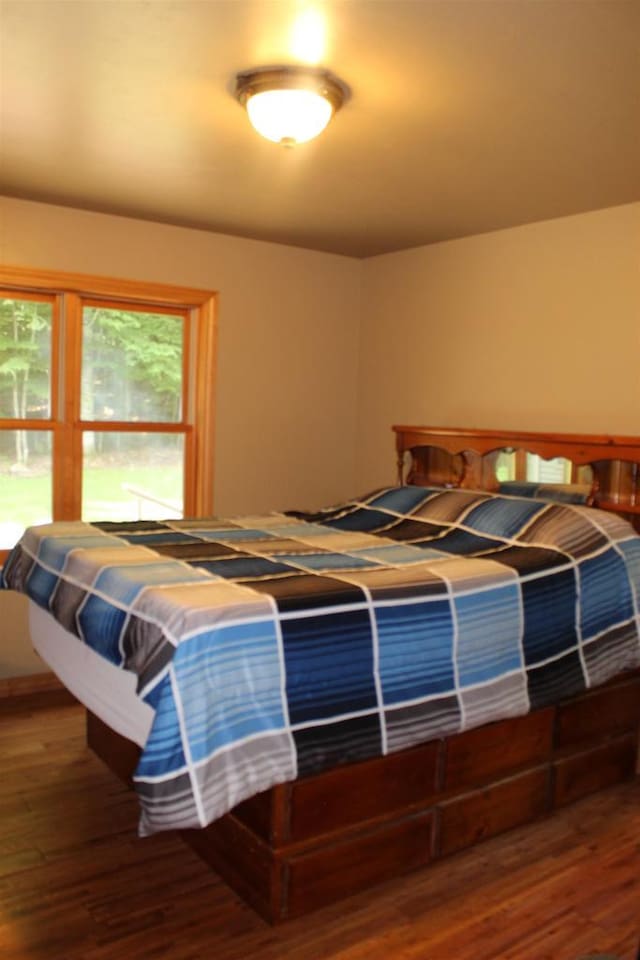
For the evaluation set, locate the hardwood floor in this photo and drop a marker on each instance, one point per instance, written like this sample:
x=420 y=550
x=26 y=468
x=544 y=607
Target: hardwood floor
x=77 y=884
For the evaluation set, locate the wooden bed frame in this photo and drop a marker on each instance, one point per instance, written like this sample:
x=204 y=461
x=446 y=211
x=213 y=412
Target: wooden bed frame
x=301 y=845
x=608 y=467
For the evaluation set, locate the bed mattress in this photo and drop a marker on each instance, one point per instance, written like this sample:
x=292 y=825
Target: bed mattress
x=276 y=647
x=103 y=688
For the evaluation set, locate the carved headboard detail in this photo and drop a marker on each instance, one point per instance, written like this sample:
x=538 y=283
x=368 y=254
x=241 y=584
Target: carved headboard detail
x=606 y=468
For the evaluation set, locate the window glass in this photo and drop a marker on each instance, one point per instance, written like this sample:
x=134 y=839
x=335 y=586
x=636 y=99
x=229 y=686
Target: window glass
x=106 y=396
x=132 y=476
x=25 y=481
x=25 y=358
x=131 y=365
x=534 y=469
x=557 y=470
x=505 y=466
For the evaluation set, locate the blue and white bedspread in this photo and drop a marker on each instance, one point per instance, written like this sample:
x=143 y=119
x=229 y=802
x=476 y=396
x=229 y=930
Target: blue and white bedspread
x=273 y=647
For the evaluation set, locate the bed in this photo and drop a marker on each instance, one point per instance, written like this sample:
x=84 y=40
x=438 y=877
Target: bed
x=320 y=701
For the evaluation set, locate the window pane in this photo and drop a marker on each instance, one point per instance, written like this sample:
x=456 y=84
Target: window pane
x=25 y=481
x=132 y=476
x=505 y=466
x=25 y=358
x=131 y=365
x=548 y=471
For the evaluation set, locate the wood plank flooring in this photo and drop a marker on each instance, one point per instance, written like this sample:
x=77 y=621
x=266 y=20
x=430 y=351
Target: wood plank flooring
x=77 y=884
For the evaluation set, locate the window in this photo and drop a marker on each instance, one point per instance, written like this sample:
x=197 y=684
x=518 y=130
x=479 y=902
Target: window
x=523 y=466
x=106 y=400
x=518 y=465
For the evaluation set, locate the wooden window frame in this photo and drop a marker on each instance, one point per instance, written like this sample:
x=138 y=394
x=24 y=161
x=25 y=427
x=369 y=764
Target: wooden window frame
x=68 y=293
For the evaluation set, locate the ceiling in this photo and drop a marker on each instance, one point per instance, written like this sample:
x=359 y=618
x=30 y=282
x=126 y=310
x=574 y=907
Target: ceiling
x=465 y=115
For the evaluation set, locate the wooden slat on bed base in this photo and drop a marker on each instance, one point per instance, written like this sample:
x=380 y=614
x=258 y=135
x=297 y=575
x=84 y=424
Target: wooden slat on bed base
x=301 y=845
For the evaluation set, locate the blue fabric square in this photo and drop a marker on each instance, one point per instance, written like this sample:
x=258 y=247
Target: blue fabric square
x=100 y=625
x=230 y=685
x=464 y=543
x=489 y=633
x=41 y=584
x=329 y=663
x=100 y=622
x=631 y=551
x=606 y=594
x=549 y=615
x=393 y=555
x=163 y=752
x=124 y=582
x=400 y=499
x=53 y=551
x=503 y=517
x=416 y=650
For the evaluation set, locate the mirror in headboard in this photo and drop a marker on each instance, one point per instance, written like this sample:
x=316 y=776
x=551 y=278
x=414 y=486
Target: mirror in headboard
x=522 y=473
x=579 y=468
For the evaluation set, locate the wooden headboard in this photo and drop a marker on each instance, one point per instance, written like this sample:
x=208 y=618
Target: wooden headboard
x=606 y=467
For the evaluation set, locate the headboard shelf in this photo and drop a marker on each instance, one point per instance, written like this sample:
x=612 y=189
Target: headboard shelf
x=605 y=467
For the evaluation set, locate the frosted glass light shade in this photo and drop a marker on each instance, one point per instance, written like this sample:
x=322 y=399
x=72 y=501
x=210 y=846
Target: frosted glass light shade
x=289 y=105
x=289 y=116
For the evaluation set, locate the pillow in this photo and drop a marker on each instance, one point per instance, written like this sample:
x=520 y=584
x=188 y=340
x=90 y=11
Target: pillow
x=560 y=492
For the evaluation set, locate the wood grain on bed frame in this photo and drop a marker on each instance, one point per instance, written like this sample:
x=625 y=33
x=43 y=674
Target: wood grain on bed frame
x=304 y=844
x=609 y=466
x=301 y=845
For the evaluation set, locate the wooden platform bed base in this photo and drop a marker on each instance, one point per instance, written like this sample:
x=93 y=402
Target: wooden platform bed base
x=305 y=844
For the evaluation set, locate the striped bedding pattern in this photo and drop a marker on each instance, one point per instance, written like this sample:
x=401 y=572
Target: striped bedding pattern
x=273 y=647
x=561 y=492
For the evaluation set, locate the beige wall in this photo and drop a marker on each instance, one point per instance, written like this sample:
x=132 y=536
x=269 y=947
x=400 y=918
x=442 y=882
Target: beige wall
x=17 y=658
x=287 y=341
x=287 y=335
x=536 y=327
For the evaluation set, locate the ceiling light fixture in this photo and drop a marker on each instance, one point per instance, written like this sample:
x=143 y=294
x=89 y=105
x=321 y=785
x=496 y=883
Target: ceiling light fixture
x=290 y=105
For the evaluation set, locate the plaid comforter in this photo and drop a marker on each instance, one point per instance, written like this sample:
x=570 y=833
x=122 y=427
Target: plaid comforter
x=273 y=647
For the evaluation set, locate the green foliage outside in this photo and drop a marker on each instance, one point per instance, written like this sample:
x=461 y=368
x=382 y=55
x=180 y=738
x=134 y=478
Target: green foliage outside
x=132 y=365
x=25 y=335
x=131 y=370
